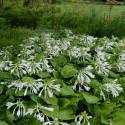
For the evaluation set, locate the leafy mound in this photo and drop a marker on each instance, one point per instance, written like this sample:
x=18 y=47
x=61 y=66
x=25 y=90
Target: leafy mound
x=63 y=79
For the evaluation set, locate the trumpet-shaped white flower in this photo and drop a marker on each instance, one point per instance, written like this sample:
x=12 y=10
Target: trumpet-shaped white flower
x=27 y=51
x=2 y=65
x=46 y=66
x=37 y=112
x=102 y=67
x=5 y=55
x=48 y=89
x=88 y=41
x=110 y=45
x=75 y=52
x=34 y=67
x=121 y=66
x=19 y=69
x=28 y=86
x=54 y=50
x=121 y=62
x=65 y=45
x=113 y=88
x=84 y=78
x=79 y=53
x=18 y=108
x=83 y=118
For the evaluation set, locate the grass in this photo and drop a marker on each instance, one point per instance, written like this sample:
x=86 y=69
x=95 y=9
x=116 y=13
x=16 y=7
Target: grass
x=100 y=9
x=93 y=19
x=14 y=36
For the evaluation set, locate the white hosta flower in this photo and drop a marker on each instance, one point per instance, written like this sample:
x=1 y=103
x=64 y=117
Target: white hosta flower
x=121 y=66
x=102 y=67
x=27 y=51
x=48 y=37
x=113 y=88
x=55 y=50
x=33 y=40
x=39 y=116
x=101 y=54
x=121 y=62
x=75 y=52
x=85 y=54
x=88 y=41
x=34 y=67
x=19 y=69
x=83 y=118
x=79 y=53
x=84 y=78
x=48 y=89
x=5 y=55
x=18 y=108
x=110 y=45
x=65 y=45
x=28 y=86
x=4 y=65
x=55 y=122
x=102 y=94
x=37 y=112
x=46 y=66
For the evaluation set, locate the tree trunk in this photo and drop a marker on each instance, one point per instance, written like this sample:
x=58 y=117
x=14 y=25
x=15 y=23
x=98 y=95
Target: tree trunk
x=26 y=2
x=1 y=2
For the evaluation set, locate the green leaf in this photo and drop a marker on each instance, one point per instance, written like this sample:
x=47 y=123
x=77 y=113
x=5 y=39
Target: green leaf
x=28 y=79
x=5 y=76
x=3 y=123
x=64 y=102
x=91 y=99
x=44 y=74
x=10 y=116
x=60 y=60
x=68 y=71
x=1 y=89
x=52 y=101
x=119 y=118
x=26 y=121
x=107 y=108
x=67 y=91
x=61 y=113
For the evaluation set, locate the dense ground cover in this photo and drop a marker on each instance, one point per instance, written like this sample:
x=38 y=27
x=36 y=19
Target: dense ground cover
x=51 y=76
x=63 y=79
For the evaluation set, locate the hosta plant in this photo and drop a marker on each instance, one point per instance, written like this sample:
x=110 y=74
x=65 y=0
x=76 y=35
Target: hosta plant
x=63 y=79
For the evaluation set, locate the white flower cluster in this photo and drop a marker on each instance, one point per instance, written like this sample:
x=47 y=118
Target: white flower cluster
x=121 y=62
x=31 y=86
x=112 y=87
x=102 y=66
x=83 y=118
x=20 y=110
x=80 y=53
x=84 y=79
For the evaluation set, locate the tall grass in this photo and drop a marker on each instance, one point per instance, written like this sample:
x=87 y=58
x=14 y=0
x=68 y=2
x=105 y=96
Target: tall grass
x=14 y=36
x=96 y=20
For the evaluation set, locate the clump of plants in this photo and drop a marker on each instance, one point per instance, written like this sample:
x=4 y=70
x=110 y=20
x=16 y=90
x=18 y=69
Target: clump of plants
x=63 y=79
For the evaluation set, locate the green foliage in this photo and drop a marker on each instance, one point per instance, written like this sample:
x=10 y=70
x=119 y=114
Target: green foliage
x=97 y=20
x=68 y=71
x=51 y=79
x=13 y=36
x=21 y=17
